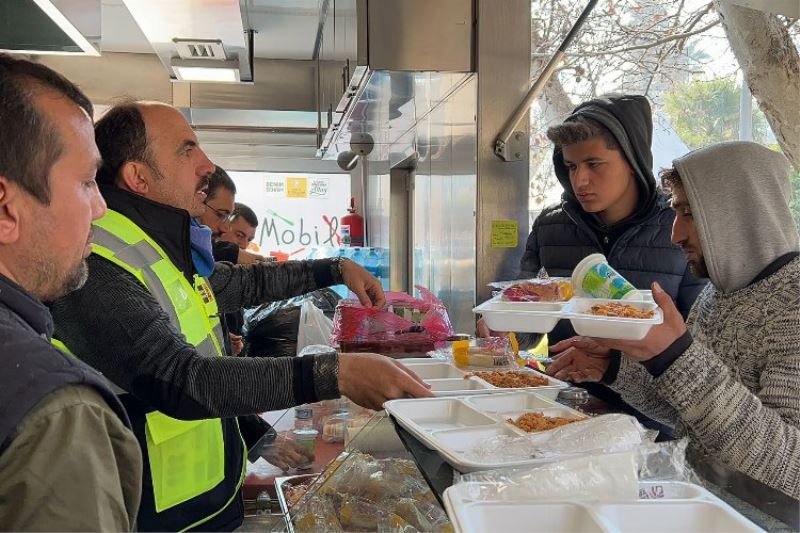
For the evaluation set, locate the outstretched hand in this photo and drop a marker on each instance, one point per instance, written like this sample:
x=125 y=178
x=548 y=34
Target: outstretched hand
x=369 y=380
x=363 y=284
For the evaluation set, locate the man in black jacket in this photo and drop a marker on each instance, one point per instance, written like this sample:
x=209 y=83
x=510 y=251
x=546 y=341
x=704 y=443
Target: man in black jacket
x=68 y=458
x=611 y=204
x=153 y=178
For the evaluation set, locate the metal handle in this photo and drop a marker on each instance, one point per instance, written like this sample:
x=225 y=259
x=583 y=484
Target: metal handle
x=503 y=147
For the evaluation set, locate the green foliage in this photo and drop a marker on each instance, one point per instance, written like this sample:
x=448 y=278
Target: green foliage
x=706 y=112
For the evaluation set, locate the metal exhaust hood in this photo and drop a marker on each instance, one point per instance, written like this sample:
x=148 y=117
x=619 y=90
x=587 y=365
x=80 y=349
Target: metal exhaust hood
x=409 y=56
x=53 y=27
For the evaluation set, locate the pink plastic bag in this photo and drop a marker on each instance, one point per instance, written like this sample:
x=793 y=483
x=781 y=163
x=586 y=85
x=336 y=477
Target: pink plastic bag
x=405 y=325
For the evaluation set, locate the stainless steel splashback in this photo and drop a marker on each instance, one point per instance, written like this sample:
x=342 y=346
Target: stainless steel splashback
x=444 y=205
x=441 y=148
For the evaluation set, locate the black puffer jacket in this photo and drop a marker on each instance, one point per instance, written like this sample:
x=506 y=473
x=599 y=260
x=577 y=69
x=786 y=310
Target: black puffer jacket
x=639 y=246
x=642 y=254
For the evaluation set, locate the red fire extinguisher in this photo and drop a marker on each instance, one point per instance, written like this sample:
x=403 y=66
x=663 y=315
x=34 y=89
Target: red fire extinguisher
x=356 y=224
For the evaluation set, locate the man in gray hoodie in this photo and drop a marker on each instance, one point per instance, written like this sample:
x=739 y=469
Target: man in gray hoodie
x=728 y=378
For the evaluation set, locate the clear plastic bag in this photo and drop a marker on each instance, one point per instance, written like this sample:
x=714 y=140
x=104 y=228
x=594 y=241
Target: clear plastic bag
x=602 y=434
x=600 y=476
x=368 y=494
x=314 y=327
x=488 y=352
x=316 y=514
x=612 y=476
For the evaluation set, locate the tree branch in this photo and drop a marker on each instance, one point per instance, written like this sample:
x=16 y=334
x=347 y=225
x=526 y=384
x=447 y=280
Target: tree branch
x=645 y=46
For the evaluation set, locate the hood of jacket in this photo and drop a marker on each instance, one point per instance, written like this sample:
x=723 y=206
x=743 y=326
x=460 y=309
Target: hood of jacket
x=739 y=194
x=630 y=121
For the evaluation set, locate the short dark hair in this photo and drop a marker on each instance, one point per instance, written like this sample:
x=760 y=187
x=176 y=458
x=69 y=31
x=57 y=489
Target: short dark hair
x=219 y=179
x=121 y=136
x=581 y=129
x=246 y=213
x=670 y=178
x=29 y=141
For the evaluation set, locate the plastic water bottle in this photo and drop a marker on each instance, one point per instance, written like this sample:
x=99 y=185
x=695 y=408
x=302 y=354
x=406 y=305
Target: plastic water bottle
x=384 y=272
x=358 y=255
x=303 y=417
x=373 y=263
x=345 y=231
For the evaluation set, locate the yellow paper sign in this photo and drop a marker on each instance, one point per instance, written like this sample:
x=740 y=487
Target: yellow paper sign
x=297 y=187
x=504 y=233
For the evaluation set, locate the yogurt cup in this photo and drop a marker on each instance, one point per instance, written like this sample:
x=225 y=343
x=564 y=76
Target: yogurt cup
x=595 y=278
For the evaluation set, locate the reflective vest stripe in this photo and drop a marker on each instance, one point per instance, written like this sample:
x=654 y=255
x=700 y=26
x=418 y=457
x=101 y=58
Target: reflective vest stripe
x=186 y=458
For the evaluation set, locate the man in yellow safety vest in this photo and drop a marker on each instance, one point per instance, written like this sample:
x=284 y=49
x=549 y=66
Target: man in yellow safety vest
x=148 y=319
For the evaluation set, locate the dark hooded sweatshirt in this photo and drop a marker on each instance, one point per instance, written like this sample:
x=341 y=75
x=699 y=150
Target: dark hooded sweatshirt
x=639 y=246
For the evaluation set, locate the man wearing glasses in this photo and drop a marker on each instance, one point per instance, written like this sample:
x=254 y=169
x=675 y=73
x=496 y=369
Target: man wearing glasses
x=218 y=216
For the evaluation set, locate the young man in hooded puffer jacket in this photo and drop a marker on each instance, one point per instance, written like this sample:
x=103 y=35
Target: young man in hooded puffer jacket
x=611 y=205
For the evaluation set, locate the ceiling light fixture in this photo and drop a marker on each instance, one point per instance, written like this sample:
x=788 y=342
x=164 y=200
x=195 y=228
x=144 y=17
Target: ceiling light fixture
x=198 y=70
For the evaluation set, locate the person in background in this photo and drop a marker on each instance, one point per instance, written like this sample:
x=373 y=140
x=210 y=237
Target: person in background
x=728 y=377
x=241 y=232
x=68 y=458
x=155 y=292
x=611 y=205
x=219 y=216
x=243 y=226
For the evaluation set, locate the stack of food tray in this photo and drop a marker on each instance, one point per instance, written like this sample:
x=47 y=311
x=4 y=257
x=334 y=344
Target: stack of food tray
x=445 y=379
x=453 y=426
x=661 y=507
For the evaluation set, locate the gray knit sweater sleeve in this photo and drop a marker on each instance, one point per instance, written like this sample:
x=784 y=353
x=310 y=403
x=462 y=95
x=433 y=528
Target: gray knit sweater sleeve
x=636 y=387
x=757 y=434
x=116 y=326
x=736 y=390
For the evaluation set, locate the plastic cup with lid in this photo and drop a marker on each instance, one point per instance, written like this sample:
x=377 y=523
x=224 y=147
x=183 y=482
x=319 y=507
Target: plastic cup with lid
x=595 y=278
x=307 y=438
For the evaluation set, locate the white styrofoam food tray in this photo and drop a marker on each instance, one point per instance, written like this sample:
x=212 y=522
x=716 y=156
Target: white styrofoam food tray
x=662 y=507
x=525 y=317
x=453 y=426
x=542 y=317
x=610 y=327
x=447 y=379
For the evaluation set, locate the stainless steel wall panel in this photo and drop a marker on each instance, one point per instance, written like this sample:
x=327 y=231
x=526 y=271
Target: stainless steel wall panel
x=444 y=205
x=420 y=35
x=503 y=79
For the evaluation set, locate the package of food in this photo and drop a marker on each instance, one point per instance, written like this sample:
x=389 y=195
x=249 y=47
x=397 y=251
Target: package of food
x=361 y=493
x=539 y=290
x=406 y=325
x=334 y=427
x=489 y=352
x=316 y=514
x=511 y=379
